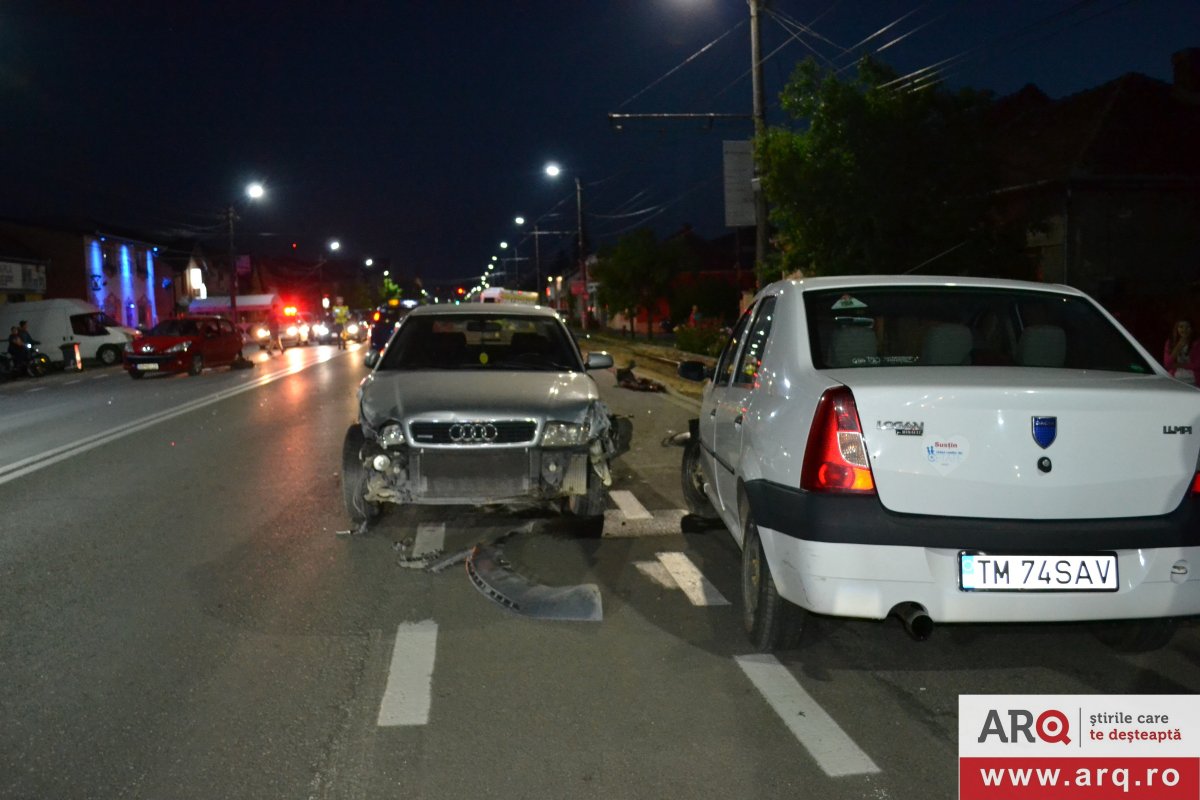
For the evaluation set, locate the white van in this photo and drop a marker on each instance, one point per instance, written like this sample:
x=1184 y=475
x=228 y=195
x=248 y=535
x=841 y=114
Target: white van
x=65 y=321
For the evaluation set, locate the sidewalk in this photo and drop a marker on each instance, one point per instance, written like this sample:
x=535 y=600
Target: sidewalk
x=657 y=359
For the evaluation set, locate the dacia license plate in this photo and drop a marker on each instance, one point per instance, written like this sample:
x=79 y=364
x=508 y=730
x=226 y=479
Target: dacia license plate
x=984 y=572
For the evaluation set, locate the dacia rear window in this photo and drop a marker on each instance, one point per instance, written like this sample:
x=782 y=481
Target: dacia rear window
x=962 y=326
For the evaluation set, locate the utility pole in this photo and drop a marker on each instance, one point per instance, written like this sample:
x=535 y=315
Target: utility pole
x=233 y=284
x=760 y=129
x=582 y=254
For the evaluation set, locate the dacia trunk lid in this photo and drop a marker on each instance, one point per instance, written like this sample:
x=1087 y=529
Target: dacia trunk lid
x=1024 y=443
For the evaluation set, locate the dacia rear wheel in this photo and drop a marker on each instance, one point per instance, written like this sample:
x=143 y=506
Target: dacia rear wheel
x=196 y=365
x=771 y=622
x=693 y=482
x=590 y=505
x=354 y=479
x=1137 y=635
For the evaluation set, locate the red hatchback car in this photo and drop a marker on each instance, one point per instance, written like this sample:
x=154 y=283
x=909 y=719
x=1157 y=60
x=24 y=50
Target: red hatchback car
x=184 y=344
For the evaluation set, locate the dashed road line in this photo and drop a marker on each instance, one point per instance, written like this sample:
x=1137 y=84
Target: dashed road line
x=834 y=751
x=691 y=580
x=409 y=692
x=629 y=504
x=659 y=523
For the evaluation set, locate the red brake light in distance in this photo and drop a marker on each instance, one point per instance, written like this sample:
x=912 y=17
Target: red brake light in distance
x=835 y=459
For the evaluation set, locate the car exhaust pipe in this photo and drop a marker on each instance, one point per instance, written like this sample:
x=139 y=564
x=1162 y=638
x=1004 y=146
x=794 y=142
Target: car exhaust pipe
x=916 y=620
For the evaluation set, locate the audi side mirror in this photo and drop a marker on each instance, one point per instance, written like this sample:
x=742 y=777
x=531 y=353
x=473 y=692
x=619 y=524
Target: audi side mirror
x=599 y=361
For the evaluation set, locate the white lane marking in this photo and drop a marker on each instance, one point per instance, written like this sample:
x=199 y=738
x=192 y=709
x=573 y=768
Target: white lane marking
x=657 y=573
x=18 y=469
x=834 y=751
x=98 y=377
x=661 y=523
x=431 y=537
x=691 y=580
x=629 y=505
x=409 y=691
x=35 y=389
x=77 y=380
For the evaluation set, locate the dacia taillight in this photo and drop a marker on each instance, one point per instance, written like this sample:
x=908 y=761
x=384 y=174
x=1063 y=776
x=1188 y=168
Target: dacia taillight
x=836 y=457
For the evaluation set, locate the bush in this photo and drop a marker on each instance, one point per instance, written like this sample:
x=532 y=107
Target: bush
x=704 y=338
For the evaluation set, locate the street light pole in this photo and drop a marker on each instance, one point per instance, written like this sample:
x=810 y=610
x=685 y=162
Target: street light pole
x=582 y=254
x=254 y=191
x=230 y=214
x=760 y=129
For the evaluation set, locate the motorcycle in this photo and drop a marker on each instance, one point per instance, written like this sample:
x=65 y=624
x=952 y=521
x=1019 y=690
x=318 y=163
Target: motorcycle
x=36 y=364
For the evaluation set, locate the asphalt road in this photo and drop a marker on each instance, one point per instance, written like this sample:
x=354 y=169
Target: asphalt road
x=180 y=617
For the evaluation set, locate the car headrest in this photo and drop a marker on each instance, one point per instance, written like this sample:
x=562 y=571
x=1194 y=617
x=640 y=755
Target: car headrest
x=946 y=343
x=1042 y=346
x=850 y=346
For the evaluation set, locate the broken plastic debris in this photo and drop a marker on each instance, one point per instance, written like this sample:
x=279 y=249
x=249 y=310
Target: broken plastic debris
x=487 y=570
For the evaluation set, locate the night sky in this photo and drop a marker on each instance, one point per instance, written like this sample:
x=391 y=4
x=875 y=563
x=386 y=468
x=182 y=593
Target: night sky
x=417 y=131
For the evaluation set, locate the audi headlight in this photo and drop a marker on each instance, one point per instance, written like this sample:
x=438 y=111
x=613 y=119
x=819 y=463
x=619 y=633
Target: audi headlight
x=182 y=347
x=563 y=434
x=391 y=435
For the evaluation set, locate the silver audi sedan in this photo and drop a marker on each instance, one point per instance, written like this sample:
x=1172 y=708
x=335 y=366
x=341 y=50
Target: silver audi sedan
x=481 y=404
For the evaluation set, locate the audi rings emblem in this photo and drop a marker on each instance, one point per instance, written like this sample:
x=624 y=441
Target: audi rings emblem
x=473 y=433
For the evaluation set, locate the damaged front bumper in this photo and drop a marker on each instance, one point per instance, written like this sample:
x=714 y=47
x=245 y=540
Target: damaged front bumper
x=408 y=471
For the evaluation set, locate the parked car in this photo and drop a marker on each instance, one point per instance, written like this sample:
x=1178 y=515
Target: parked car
x=186 y=344
x=481 y=404
x=357 y=328
x=67 y=321
x=948 y=450
x=322 y=331
x=384 y=321
x=292 y=333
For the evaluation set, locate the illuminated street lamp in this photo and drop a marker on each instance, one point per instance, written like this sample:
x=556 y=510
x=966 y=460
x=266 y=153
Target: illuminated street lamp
x=254 y=191
x=554 y=170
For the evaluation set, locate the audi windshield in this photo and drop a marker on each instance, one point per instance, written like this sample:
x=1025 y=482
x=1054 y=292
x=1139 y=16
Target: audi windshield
x=481 y=342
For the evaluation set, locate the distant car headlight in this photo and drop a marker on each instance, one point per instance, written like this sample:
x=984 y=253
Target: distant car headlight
x=292 y=330
x=352 y=329
x=563 y=434
x=391 y=436
x=182 y=347
x=262 y=333
x=304 y=328
x=320 y=330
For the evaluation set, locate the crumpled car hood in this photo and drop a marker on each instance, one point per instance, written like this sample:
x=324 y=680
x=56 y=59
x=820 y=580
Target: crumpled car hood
x=472 y=394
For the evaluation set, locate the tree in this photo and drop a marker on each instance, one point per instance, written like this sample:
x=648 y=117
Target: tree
x=882 y=179
x=637 y=272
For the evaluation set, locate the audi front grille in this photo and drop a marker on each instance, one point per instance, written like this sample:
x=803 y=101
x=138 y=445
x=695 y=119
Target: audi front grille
x=474 y=432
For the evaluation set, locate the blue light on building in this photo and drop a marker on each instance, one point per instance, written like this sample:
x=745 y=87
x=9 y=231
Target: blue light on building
x=150 y=293
x=128 y=309
x=96 y=266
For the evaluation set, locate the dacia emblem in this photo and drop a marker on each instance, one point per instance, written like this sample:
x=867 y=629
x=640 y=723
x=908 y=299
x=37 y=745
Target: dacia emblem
x=1045 y=429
